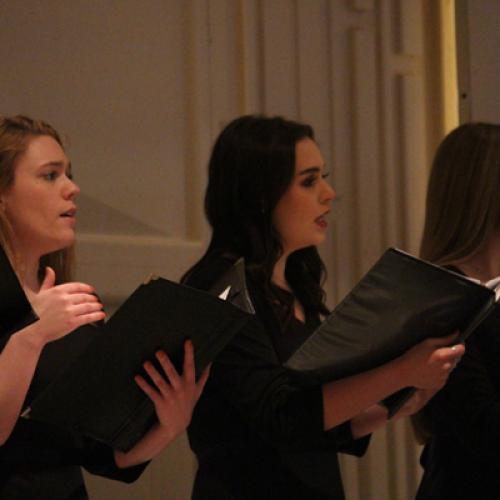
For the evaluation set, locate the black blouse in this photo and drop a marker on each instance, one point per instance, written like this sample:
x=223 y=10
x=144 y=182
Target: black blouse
x=257 y=431
x=462 y=460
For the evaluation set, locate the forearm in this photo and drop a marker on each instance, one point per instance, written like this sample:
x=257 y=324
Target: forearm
x=153 y=442
x=368 y=421
x=18 y=362
x=349 y=397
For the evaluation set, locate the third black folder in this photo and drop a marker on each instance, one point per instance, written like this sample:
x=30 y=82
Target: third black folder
x=399 y=302
x=96 y=394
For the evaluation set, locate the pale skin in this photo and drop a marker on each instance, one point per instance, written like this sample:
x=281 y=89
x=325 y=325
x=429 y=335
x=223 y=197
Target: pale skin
x=299 y=219
x=40 y=206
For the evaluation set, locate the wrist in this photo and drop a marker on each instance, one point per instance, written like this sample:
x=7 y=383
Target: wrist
x=401 y=373
x=30 y=338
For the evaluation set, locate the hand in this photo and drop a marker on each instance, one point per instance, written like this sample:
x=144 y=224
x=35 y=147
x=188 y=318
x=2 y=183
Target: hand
x=62 y=308
x=174 y=396
x=428 y=364
x=419 y=399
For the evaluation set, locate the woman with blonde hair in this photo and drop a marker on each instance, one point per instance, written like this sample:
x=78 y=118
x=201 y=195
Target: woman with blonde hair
x=461 y=424
x=37 y=231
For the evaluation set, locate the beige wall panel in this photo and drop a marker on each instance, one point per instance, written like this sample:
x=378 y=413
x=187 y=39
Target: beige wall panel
x=365 y=146
x=197 y=99
x=280 y=71
x=412 y=154
x=250 y=63
x=362 y=5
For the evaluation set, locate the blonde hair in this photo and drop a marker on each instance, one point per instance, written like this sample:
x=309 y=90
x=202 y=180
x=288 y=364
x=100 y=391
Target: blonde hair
x=15 y=135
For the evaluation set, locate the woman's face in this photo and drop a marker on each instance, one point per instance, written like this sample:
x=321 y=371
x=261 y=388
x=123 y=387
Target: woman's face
x=299 y=216
x=40 y=202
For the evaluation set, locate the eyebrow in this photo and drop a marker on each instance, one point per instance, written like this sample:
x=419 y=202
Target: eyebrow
x=309 y=170
x=57 y=164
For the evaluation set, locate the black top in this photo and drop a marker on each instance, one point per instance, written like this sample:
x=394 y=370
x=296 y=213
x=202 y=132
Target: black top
x=256 y=431
x=462 y=460
x=40 y=462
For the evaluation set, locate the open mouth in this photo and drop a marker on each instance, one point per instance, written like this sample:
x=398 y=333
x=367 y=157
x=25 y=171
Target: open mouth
x=321 y=220
x=69 y=213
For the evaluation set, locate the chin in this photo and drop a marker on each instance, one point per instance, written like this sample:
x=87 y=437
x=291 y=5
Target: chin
x=62 y=244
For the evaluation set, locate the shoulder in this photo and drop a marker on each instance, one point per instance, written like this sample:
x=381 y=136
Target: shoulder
x=204 y=274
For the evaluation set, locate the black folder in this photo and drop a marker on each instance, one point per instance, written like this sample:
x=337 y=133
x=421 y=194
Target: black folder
x=96 y=394
x=399 y=302
x=15 y=309
x=232 y=287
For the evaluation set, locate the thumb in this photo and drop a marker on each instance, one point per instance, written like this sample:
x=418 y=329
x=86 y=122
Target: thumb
x=49 y=280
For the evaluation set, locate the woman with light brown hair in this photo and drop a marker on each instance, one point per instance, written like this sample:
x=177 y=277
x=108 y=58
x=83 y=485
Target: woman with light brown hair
x=37 y=231
x=461 y=424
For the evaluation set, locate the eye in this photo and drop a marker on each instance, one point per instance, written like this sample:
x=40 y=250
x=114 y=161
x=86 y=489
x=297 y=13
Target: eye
x=50 y=176
x=309 y=181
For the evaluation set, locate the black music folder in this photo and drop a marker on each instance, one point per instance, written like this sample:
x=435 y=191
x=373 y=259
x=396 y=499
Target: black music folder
x=232 y=287
x=96 y=394
x=15 y=309
x=399 y=302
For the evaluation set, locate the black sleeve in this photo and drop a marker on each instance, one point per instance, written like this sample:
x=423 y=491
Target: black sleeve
x=249 y=375
x=98 y=459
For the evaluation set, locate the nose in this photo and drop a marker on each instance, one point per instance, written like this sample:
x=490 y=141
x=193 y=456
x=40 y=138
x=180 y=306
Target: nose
x=328 y=193
x=71 y=189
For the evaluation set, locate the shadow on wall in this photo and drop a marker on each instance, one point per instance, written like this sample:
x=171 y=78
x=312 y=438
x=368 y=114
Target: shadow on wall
x=94 y=216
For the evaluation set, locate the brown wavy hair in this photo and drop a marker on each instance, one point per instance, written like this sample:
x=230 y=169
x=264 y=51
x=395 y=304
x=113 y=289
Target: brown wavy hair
x=15 y=135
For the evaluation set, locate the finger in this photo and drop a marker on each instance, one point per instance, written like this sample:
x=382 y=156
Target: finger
x=159 y=381
x=203 y=379
x=79 y=298
x=49 y=279
x=86 y=308
x=147 y=389
x=453 y=353
x=444 y=341
x=85 y=319
x=76 y=287
x=458 y=349
x=169 y=369
x=189 y=372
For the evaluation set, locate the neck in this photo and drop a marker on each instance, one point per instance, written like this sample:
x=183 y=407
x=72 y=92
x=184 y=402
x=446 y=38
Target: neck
x=484 y=264
x=278 y=277
x=29 y=264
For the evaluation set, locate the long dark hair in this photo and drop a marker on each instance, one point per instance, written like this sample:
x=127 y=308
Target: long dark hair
x=251 y=166
x=463 y=206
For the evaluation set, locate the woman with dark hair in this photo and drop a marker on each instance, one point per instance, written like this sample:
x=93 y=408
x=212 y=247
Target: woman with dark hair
x=258 y=432
x=37 y=231
x=461 y=424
